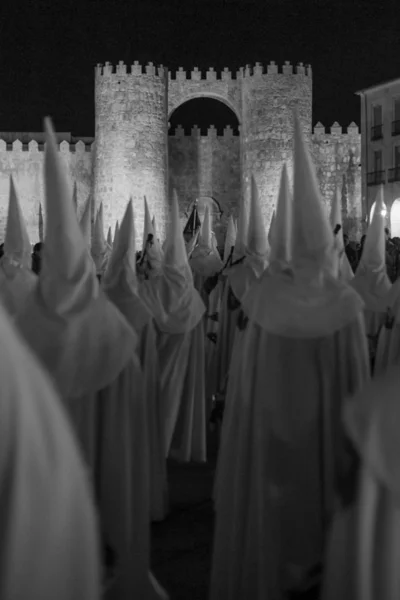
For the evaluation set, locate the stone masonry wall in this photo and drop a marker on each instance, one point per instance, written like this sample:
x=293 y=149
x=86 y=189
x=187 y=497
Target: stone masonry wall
x=199 y=166
x=25 y=163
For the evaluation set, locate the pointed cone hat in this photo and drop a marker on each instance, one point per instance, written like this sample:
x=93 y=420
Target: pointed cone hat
x=76 y=332
x=123 y=255
x=257 y=242
x=271 y=227
x=116 y=230
x=230 y=238
x=205 y=230
x=156 y=238
x=100 y=248
x=109 y=238
x=41 y=234
x=281 y=235
x=313 y=242
x=86 y=223
x=373 y=254
x=17 y=246
x=148 y=225
x=241 y=231
x=75 y=196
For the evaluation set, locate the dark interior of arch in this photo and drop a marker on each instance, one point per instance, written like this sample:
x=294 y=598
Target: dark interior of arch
x=203 y=112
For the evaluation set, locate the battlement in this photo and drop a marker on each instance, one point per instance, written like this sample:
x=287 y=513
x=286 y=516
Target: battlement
x=336 y=130
x=211 y=132
x=197 y=74
x=122 y=69
x=249 y=71
x=33 y=146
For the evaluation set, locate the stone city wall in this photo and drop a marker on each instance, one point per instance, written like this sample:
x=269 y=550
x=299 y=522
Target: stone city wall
x=199 y=166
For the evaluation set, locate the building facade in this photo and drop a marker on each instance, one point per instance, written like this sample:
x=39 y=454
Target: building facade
x=380 y=150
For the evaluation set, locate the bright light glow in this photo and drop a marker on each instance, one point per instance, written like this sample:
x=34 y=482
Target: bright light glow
x=395 y=219
x=383 y=212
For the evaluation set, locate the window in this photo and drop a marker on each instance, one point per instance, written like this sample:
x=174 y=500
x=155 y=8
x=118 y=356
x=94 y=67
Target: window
x=377 y=161
x=396 y=109
x=377 y=125
x=377 y=115
x=396 y=116
x=397 y=157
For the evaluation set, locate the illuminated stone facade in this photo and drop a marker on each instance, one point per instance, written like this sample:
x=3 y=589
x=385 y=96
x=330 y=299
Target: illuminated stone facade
x=133 y=156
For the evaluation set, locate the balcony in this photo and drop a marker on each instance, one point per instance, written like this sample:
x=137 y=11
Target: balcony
x=376 y=178
x=394 y=174
x=395 y=127
x=377 y=132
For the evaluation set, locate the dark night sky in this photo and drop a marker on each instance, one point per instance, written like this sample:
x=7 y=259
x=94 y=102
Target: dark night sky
x=48 y=49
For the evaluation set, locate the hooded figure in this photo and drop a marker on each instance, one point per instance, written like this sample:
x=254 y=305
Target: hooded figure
x=121 y=285
x=178 y=310
x=152 y=252
x=100 y=249
x=89 y=350
x=345 y=272
x=303 y=352
x=230 y=240
x=241 y=275
x=16 y=277
x=362 y=561
x=109 y=238
x=49 y=543
x=157 y=240
x=86 y=223
x=371 y=280
x=206 y=265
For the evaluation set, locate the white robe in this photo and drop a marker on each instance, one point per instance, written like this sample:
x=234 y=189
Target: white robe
x=280 y=451
x=49 y=543
x=363 y=555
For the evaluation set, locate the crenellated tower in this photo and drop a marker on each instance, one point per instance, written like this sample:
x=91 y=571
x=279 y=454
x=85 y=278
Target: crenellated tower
x=130 y=158
x=268 y=99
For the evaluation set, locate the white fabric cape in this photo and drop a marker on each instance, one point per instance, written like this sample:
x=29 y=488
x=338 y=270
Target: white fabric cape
x=49 y=544
x=364 y=549
x=279 y=454
x=177 y=310
x=16 y=285
x=140 y=319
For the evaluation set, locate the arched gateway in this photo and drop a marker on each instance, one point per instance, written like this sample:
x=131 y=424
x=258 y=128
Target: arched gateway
x=132 y=108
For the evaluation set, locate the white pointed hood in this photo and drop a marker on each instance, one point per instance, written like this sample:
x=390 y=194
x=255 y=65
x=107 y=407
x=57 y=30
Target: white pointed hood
x=281 y=229
x=230 y=238
x=86 y=223
x=109 y=238
x=205 y=260
x=116 y=231
x=191 y=244
x=242 y=276
x=148 y=225
x=100 y=249
x=345 y=272
x=171 y=298
x=241 y=232
x=271 y=228
x=371 y=280
x=17 y=247
x=306 y=301
x=41 y=235
x=120 y=280
x=312 y=236
x=79 y=336
x=17 y=279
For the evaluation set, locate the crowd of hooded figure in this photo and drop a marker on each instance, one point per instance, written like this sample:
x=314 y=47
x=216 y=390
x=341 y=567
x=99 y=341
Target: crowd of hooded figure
x=111 y=362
